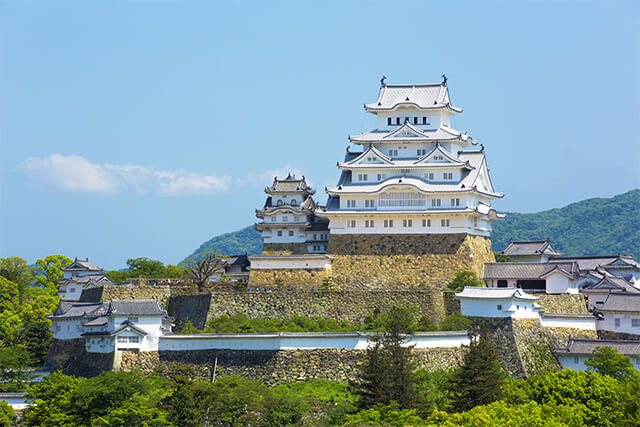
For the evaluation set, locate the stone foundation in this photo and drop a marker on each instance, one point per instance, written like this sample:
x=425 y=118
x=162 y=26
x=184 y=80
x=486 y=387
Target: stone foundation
x=351 y=306
x=309 y=278
x=284 y=249
x=276 y=367
x=383 y=261
x=563 y=303
x=71 y=357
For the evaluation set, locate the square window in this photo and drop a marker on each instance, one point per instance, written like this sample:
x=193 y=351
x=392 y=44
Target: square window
x=499 y=306
x=635 y=323
x=290 y=232
x=279 y=233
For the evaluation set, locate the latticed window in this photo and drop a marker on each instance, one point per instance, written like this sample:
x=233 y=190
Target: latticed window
x=401 y=199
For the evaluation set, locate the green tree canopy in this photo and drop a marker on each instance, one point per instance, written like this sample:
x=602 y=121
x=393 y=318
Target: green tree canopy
x=608 y=361
x=462 y=279
x=478 y=381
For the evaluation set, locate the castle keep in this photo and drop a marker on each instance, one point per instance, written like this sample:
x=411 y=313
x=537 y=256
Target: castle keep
x=412 y=205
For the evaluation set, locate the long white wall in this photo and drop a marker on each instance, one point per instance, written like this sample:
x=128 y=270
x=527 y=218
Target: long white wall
x=586 y=322
x=301 y=341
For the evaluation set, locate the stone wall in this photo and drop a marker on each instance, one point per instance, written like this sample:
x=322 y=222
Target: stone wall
x=563 y=303
x=71 y=357
x=117 y=292
x=351 y=306
x=383 y=261
x=309 y=278
x=275 y=367
x=610 y=335
x=284 y=248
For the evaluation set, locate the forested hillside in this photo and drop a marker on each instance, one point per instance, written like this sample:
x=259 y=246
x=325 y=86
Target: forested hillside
x=590 y=227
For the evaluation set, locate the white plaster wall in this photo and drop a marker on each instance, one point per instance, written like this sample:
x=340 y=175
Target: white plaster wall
x=589 y=324
x=286 y=199
x=103 y=344
x=150 y=324
x=435 y=118
x=290 y=263
x=489 y=308
x=70 y=292
x=557 y=283
x=493 y=283
x=458 y=223
x=69 y=329
x=271 y=235
x=568 y=361
x=608 y=323
x=276 y=342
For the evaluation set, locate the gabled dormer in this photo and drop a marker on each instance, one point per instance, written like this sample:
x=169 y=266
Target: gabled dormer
x=371 y=156
x=440 y=155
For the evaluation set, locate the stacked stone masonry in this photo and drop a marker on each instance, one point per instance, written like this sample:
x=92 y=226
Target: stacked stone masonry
x=351 y=306
x=310 y=278
x=284 y=249
x=275 y=367
x=378 y=261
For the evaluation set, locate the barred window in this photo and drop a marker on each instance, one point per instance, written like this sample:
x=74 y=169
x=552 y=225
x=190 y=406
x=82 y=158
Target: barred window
x=401 y=199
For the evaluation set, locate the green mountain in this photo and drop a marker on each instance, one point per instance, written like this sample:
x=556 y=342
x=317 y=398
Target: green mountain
x=236 y=243
x=590 y=227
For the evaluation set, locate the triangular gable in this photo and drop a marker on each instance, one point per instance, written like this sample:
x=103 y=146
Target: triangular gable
x=371 y=153
x=482 y=180
x=439 y=155
x=620 y=261
x=407 y=130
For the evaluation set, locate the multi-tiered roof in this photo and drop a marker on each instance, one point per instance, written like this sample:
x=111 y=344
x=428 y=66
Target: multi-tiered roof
x=412 y=157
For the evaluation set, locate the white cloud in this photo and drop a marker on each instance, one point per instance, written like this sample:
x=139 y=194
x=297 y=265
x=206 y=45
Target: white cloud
x=266 y=178
x=75 y=173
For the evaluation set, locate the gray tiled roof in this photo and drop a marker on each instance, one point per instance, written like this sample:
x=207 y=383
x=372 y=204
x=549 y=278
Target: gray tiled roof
x=612 y=283
x=621 y=302
x=81 y=265
x=494 y=293
x=443 y=133
x=531 y=247
x=526 y=270
x=424 y=96
x=593 y=262
x=135 y=308
x=289 y=185
x=127 y=324
x=79 y=309
x=626 y=347
x=98 y=321
x=89 y=281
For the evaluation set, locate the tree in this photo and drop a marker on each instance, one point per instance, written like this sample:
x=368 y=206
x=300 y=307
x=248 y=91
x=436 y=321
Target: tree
x=455 y=322
x=7 y=414
x=387 y=374
x=9 y=295
x=49 y=272
x=51 y=404
x=145 y=267
x=18 y=271
x=201 y=270
x=14 y=368
x=607 y=361
x=478 y=381
x=462 y=279
x=35 y=335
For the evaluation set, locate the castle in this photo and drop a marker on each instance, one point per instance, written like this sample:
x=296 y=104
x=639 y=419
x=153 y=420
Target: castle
x=412 y=204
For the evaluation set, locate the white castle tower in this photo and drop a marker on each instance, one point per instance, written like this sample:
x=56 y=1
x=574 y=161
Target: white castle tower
x=289 y=224
x=415 y=174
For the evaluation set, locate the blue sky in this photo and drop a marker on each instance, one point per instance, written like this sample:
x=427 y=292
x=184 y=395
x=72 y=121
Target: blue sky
x=144 y=128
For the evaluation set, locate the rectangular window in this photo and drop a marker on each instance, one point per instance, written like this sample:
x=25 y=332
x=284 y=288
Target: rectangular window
x=369 y=203
x=455 y=202
x=617 y=323
x=435 y=203
x=499 y=306
x=365 y=177
x=444 y=222
x=388 y=121
x=128 y=340
x=273 y=219
x=279 y=233
x=415 y=120
x=407 y=223
x=388 y=223
x=447 y=176
x=290 y=232
x=285 y=219
x=424 y=121
x=368 y=223
x=315 y=237
x=576 y=360
x=351 y=203
x=351 y=223
x=635 y=323
x=381 y=176
x=397 y=120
